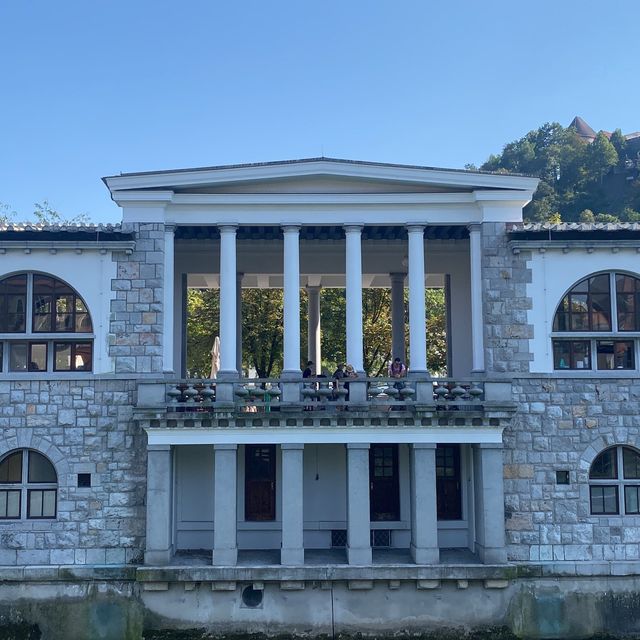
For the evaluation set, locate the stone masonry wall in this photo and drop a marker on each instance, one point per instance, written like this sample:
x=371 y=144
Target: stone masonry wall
x=136 y=310
x=505 y=303
x=562 y=424
x=82 y=426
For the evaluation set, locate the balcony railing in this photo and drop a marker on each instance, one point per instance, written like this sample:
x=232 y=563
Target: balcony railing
x=265 y=395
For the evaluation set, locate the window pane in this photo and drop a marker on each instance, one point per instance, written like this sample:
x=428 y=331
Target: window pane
x=62 y=351
x=37 y=356
x=580 y=354
x=42 y=307
x=630 y=463
x=83 y=323
x=631 y=501
x=600 y=312
x=18 y=356
x=40 y=469
x=604 y=499
x=628 y=298
x=605 y=466
x=83 y=353
x=49 y=503
x=615 y=354
x=561 y=354
x=11 y=468
x=13 y=296
x=35 y=503
x=10 y=504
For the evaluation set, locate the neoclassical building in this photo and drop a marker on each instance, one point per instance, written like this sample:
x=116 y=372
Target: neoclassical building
x=524 y=461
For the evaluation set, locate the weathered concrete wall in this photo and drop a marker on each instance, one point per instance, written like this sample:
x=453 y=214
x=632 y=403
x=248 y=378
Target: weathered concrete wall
x=82 y=426
x=123 y=608
x=562 y=424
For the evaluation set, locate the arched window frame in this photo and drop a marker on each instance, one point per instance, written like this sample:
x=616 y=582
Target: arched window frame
x=587 y=341
x=43 y=330
x=23 y=497
x=614 y=482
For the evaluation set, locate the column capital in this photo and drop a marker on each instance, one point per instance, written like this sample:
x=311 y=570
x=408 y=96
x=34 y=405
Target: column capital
x=474 y=227
x=489 y=445
x=225 y=447
x=289 y=446
x=158 y=447
x=227 y=228
x=170 y=228
x=424 y=445
x=291 y=227
x=415 y=228
x=353 y=228
x=358 y=445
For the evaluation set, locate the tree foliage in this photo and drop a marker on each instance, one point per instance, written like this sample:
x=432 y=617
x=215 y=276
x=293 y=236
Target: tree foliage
x=575 y=175
x=43 y=213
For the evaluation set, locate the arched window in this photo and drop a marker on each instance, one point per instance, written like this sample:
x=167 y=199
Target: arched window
x=614 y=482
x=28 y=486
x=41 y=318
x=592 y=326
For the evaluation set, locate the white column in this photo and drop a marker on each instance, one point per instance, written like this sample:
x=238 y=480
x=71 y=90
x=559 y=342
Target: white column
x=239 y=277
x=358 y=514
x=292 y=551
x=417 y=320
x=489 y=503
x=477 y=325
x=168 y=305
x=424 y=511
x=291 y=299
x=228 y=299
x=397 y=316
x=353 y=273
x=314 y=342
x=159 y=546
x=225 y=517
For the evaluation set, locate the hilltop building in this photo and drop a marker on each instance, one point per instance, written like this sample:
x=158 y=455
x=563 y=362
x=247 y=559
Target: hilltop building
x=305 y=505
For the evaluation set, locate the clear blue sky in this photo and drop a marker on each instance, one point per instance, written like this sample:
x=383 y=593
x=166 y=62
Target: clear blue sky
x=89 y=89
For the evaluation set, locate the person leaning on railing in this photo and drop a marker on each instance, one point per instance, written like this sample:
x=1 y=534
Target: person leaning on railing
x=397 y=369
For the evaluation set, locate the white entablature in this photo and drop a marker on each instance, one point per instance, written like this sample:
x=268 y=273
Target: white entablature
x=321 y=191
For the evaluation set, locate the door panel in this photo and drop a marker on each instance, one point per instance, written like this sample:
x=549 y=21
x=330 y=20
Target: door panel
x=384 y=482
x=260 y=483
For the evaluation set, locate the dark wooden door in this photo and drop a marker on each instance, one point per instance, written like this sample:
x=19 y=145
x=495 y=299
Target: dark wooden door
x=448 y=485
x=384 y=483
x=260 y=482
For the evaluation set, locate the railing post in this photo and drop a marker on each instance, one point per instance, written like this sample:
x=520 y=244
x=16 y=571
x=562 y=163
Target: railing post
x=291 y=398
x=151 y=394
x=357 y=393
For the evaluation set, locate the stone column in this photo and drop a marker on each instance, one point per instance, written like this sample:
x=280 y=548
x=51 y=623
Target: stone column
x=477 y=324
x=358 y=512
x=353 y=273
x=159 y=547
x=228 y=285
x=417 y=320
x=225 y=517
x=489 y=503
x=397 y=316
x=239 y=277
x=314 y=348
x=168 y=305
x=292 y=551
x=424 y=512
x=291 y=299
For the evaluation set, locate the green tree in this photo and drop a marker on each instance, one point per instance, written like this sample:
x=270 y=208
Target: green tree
x=601 y=157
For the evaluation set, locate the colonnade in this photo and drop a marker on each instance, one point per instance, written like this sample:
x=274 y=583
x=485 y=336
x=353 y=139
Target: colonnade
x=230 y=290
x=488 y=504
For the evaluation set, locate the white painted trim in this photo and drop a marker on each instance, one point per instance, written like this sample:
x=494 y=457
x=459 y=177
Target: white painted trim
x=220 y=175
x=323 y=435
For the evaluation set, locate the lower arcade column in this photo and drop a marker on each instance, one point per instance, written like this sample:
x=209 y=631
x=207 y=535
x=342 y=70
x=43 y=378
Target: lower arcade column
x=424 y=512
x=489 y=503
x=159 y=547
x=358 y=514
x=292 y=551
x=225 y=517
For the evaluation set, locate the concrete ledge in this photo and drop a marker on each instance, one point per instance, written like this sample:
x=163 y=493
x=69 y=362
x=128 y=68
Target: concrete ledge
x=67 y=573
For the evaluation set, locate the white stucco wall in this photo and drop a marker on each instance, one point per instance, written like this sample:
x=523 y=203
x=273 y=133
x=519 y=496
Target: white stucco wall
x=553 y=274
x=89 y=273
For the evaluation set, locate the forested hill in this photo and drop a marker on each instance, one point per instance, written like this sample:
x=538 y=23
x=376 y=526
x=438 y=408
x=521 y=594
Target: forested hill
x=581 y=180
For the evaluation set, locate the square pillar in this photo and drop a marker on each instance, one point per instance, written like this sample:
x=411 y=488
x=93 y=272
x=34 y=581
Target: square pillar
x=228 y=289
x=417 y=317
x=225 y=517
x=291 y=311
x=168 y=303
x=477 y=320
x=424 y=511
x=489 y=503
x=292 y=551
x=353 y=282
x=358 y=512
x=159 y=545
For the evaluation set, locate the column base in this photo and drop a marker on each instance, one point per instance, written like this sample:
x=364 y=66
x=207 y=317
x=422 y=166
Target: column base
x=225 y=557
x=158 y=557
x=292 y=556
x=359 y=555
x=425 y=555
x=491 y=555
